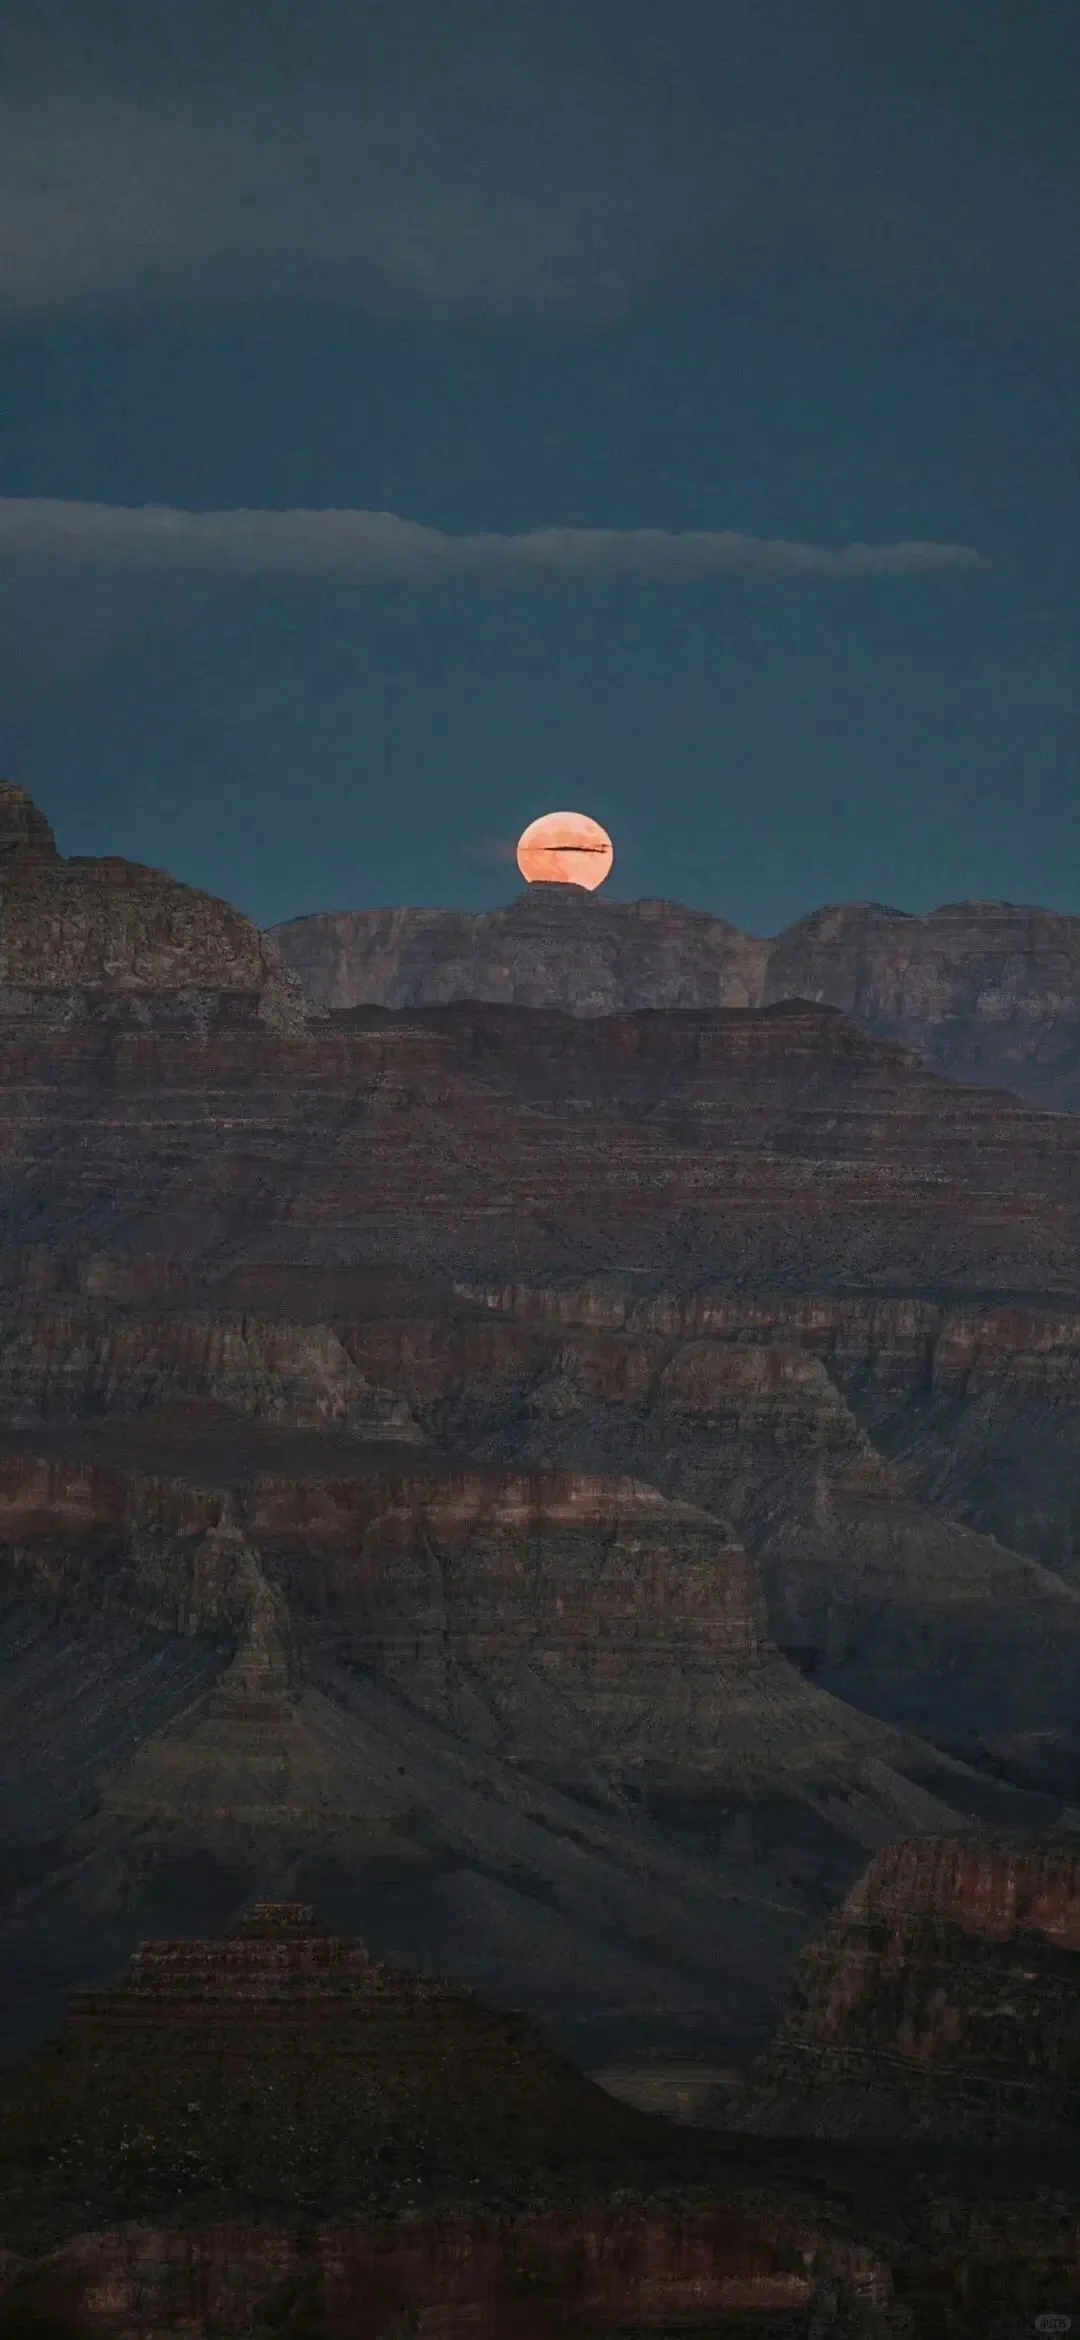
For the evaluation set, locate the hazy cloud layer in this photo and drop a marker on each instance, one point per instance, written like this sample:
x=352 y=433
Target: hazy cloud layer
x=458 y=157
x=380 y=547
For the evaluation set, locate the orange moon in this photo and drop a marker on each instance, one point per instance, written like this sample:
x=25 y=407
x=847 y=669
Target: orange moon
x=565 y=849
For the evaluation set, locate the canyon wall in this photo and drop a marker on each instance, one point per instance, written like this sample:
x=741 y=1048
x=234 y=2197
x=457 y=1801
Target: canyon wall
x=518 y=2276
x=942 y=2000
x=535 y=1483
x=986 y=991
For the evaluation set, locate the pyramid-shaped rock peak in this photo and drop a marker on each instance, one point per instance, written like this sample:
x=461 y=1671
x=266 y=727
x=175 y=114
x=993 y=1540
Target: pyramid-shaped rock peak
x=281 y=2060
x=23 y=827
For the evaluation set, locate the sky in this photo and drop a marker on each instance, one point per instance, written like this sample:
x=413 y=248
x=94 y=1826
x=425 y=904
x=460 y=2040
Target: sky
x=419 y=415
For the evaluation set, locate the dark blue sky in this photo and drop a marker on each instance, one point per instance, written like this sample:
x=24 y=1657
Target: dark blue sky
x=793 y=273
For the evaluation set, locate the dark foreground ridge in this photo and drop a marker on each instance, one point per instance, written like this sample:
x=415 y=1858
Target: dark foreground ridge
x=282 y=2064
x=271 y=2130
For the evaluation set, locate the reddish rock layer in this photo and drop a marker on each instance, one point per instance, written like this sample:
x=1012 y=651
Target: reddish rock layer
x=479 y=2278
x=943 y=1999
x=745 y=1148
x=280 y=2063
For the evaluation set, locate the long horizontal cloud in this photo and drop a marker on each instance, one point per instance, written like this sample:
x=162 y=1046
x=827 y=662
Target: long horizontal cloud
x=353 y=545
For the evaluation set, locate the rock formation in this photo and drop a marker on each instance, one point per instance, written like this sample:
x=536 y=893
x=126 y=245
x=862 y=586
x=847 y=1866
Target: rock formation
x=281 y=2069
x=553 y=946
x=280 y=2062
x=459 y=1465
x=77 y=933
x=986 y=991
x=24 y=831
x=519 y=1722
x=271 y=2130
x=515 y=2276
x=942 y=2000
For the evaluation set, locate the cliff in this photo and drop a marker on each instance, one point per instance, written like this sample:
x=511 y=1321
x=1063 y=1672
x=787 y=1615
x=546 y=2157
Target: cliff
x=986 y=991
x=424 y=2155
x=552 y=946
x=470 y=2277
x=529 y=1723
x=456 y=1463
x=748 y=1147
x=270 y=2130
x=942 y=1999
x=73 y=930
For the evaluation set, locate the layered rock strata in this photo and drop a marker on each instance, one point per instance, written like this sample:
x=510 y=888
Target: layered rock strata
x=747 y=1409
x=429 y=1600
x=281 y=2062
x=986 y=991
x=471 y=2277
x=748 y=1148
x=272 y=2130
x=77 y=932
x=455 y=1695
x=942 y=2000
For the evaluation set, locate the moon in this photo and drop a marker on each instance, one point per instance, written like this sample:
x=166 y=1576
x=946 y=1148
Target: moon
x=565 y=849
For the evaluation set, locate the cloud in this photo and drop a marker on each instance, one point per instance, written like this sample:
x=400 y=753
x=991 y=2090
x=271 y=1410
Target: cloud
x=354 y=546
x=445 y=157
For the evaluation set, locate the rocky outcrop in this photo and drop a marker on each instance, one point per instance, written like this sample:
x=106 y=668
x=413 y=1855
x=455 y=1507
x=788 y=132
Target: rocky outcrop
x=974 y=1410
x=456 y=1693
x=483 y=2277
x=552 y=946
x=572 y=1622
x=943 y=2000
x=402 y=1416
x=986 y=991
x=403 y=2132
x=24 y=831
x=749 y=1149
x=271 y=2130
x=76 y=933
x=282 y=2063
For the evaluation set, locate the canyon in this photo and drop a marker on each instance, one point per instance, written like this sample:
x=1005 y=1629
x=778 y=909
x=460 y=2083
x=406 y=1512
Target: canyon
x=270 y=2130
x=985 y=991
x=560 y=1493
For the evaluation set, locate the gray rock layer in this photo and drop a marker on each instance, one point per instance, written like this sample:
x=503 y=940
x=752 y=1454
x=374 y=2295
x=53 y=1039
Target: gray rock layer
x=987 y=991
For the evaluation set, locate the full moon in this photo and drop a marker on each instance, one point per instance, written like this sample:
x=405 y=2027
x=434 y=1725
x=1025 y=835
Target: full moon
x=565 y=849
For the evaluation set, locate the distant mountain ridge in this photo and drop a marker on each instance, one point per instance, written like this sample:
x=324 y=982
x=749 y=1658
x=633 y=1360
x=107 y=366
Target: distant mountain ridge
x=986 y=991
